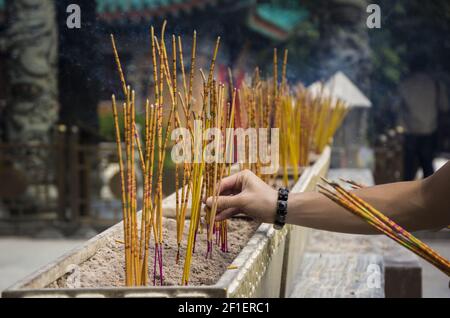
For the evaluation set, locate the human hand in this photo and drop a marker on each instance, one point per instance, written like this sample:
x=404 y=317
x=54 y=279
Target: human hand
x=245 y=193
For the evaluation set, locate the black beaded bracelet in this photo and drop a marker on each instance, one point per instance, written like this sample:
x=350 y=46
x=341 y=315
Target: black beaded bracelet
x=280 y=219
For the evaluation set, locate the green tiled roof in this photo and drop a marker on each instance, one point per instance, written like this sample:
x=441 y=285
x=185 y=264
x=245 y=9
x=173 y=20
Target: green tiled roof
x=285 y=19
x=276 y=22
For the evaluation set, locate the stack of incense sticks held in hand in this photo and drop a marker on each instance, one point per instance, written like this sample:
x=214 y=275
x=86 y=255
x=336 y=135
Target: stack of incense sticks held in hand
x=371 y=215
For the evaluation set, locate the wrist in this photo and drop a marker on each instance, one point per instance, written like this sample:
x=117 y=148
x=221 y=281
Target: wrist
x=299 y=208
x=271 y=207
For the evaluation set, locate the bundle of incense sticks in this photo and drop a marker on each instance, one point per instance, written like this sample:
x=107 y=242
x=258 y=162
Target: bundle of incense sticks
x=305 y=122
x=371 y=215
x=328 y=117
x=259 y=107
x=196 y=177
x=295 y=132
x=256 y=103
x=137 y=241
x=207 y=172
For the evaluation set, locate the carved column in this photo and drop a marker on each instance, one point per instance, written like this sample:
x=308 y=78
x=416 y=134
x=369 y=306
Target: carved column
x=31 y=110
x=31 y=42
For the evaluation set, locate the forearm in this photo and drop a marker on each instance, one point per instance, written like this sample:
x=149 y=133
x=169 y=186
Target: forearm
x=414 y=205
x=406 y=203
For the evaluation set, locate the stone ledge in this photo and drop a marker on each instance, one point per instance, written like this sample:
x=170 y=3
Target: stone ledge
x=340 y=276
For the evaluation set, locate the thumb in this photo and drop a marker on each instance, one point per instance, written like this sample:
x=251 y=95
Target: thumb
x=224 y=202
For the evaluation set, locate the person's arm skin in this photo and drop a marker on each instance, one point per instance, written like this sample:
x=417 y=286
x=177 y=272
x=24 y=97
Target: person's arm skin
x=416 y=205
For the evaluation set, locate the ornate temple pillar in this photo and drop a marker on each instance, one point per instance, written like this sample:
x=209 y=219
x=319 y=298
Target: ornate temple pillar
x=31 y=43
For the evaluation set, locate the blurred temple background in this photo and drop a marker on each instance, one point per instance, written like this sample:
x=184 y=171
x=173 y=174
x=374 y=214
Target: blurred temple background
x=58 y=171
